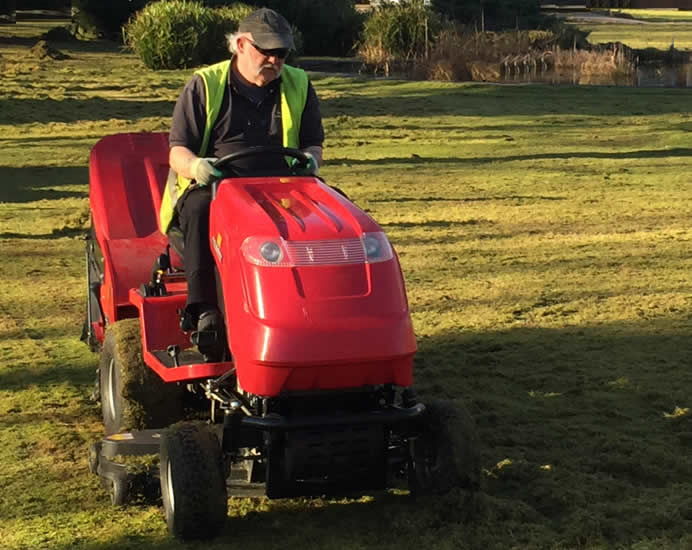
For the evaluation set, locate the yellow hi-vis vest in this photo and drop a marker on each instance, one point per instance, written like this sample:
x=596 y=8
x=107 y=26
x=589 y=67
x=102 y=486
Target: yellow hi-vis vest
x=294 y=93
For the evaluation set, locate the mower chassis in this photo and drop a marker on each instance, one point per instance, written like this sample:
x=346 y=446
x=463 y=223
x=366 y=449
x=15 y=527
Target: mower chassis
x=122 y=482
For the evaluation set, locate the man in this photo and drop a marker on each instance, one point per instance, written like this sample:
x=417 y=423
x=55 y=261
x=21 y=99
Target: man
x=250 y=100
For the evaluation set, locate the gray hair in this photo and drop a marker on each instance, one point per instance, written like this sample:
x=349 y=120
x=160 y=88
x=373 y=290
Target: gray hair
x=232 y=40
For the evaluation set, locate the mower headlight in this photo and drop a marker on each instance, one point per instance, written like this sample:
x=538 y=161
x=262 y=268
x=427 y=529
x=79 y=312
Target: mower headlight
x=271 y=252
x=266 y=251
x=376 y=247
x=276 y=252
x=372 y=247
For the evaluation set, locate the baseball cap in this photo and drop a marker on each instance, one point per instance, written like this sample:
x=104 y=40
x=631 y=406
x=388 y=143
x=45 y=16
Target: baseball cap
x=269 y=29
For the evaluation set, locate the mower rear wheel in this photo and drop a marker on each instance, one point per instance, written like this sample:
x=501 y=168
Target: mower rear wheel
x=119 y=492
x=193 y=483
x=132 y=395
x=445 y=454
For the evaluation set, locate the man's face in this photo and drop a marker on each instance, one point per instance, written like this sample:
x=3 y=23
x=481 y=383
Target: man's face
x=258 y=66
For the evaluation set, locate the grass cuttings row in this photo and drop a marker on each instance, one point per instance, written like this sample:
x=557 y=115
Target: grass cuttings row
x=544 y=234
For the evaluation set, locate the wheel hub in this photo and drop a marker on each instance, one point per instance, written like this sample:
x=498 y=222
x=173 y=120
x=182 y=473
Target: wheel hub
x=110 y=395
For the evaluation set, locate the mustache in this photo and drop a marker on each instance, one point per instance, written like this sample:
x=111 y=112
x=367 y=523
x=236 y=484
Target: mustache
x=269 y=66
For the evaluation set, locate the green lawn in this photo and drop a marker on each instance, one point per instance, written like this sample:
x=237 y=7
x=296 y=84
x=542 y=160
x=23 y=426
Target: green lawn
x=654 y=35
x=656 y=15
x=544 y=234
x=654 y=28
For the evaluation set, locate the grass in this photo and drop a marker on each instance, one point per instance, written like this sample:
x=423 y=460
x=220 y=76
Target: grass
x=656 y=15
x=654 y=35
x=544 y=234
x=657 y=29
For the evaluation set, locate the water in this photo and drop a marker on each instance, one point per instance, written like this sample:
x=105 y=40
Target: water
x=645 y=76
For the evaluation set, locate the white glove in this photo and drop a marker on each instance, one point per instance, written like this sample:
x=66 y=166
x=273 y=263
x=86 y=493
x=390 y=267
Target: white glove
x=203 y=172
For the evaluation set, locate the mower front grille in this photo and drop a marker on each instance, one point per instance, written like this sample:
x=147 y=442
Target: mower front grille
x=343 y=251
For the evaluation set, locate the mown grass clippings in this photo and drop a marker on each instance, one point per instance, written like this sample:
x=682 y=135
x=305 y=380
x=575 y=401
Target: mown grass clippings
x=544 y=236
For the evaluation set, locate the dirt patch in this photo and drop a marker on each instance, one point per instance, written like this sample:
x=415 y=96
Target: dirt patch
x=43 y=50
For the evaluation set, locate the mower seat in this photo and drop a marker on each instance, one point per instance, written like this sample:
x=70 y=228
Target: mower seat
x=158 y=176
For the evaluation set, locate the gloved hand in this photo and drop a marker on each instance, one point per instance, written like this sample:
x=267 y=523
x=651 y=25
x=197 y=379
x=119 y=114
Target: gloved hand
x=310 y=169
x=203 y=172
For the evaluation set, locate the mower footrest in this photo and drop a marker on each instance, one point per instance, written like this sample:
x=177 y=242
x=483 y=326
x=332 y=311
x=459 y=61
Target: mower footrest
x=185 y=357
x=143 y=442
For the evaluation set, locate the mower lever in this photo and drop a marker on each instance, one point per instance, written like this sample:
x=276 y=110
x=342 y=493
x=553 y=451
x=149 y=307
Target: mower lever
x=173 y=351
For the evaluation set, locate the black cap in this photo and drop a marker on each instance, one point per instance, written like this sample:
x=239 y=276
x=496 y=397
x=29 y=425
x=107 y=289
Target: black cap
x=269 y=29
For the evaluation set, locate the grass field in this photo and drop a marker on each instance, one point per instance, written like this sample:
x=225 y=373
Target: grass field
x=656 y=15
x=657 y=28
x=655 y=35
x=545 y=238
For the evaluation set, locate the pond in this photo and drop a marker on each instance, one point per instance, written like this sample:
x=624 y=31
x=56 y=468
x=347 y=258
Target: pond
x=645 y=76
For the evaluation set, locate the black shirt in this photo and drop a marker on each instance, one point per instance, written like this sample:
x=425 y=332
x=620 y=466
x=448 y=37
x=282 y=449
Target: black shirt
x=249 y=116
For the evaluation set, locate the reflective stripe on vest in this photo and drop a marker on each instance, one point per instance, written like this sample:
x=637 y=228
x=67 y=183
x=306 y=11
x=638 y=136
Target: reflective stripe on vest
x=294 y=94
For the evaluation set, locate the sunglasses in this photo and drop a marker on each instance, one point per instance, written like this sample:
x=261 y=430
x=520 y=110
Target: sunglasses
x=279 y=53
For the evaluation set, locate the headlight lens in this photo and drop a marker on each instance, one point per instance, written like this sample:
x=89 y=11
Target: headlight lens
x=376 y=247
x=266 y=251
x=373 y=248
x=271 y=252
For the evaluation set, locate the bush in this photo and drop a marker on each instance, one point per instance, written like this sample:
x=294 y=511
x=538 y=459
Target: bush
x=178 y=34
x=398 y=33
x=96 y=18
x=8 y=11
x=494 y=14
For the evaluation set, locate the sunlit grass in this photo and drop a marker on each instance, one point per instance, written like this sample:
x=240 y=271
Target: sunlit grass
x=655 y=15
x=660 y=36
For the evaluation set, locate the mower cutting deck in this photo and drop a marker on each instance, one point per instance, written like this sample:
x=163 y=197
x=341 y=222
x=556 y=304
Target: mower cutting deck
x=314 y=393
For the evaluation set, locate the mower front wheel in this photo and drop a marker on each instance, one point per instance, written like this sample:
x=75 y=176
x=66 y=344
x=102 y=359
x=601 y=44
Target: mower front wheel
x=445 y=454
x=193 y=484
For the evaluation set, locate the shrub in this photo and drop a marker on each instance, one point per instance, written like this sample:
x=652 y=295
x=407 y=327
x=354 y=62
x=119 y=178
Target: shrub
x=177 y=34
x=495 y=14
x=8 y=10
x=398 y=33
x=96 y=18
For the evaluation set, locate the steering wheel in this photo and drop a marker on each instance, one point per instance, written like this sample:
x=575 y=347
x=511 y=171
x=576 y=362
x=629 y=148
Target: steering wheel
x=226 y=163
x=263 y=150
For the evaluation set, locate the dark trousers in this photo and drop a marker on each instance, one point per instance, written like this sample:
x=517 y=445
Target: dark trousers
x=193 y=218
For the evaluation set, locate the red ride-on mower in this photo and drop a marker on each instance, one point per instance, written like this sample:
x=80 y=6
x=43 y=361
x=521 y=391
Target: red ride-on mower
x=313 y=395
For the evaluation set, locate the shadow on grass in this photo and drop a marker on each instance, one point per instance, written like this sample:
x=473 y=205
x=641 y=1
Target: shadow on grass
x=30 y=110
x=66 y=46
x=35 y=183
x=19 y=378
x=410 y=99
x=434 y=224
x=531 y=198
x=641 y=154
x=384 y=521
x=55 y=234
